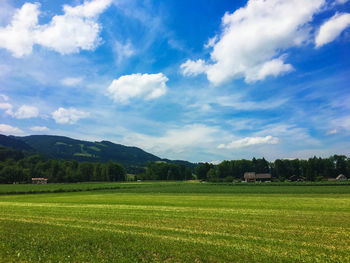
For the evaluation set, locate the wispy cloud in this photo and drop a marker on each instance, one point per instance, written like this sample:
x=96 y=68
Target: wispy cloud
x=71 y=81
x=249 y=141
x=39 y=128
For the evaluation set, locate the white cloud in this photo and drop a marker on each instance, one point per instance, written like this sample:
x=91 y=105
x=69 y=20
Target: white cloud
x=237 y=102
x=10 y=130
x=18 y=37
x=331 y=132
x=6 y=106
x=211 y=42
x=273 y=67
x=147 y=86
x=193 y=68
x=26 y=112
x=332 y=28
x=71 y=81
x=123 y=51
x=254 y=37
x=249 y=141
x=68 y=33
x=39 y=128
x=70 y=115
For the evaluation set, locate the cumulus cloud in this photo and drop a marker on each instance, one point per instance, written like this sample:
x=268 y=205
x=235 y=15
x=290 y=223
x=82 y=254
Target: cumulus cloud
x=273 y=67
x=332 y=28
x=76 y=29
x=18 y=36
x=68 y=116
x=71 y=81
x=10 y=130
x=39 y=128
x=254 y=37
x=193 y=68
x=26 y=112
x=249 y=141
x=147 y=86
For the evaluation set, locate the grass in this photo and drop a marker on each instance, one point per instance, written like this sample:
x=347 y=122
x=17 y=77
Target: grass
x=52 y=188
x=94 y=148
x=179 y=222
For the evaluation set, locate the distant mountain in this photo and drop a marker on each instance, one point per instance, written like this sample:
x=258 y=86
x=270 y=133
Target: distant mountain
x=59 y=147
x=12 y=142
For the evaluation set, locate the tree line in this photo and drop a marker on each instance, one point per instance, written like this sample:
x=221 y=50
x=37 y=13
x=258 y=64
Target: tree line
x=313 y=169
x=17 y=167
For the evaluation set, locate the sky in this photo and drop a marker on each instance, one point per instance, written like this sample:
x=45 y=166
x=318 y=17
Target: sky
x=192 y=80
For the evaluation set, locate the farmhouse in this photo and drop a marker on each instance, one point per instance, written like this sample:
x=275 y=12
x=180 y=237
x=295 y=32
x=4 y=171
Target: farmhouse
x=341 y=177
x=253 y=177
x=39 y=181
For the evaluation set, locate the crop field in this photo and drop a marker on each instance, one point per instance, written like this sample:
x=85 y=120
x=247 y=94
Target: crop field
x=178 y=222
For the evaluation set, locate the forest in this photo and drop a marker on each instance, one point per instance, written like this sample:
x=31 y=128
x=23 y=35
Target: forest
x=17 y=167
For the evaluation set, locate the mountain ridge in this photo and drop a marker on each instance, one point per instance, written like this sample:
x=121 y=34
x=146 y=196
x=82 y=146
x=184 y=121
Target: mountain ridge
x=66 y=148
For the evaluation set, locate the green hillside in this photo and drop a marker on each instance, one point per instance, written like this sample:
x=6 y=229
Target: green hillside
x=59 y=147
x=12 y=142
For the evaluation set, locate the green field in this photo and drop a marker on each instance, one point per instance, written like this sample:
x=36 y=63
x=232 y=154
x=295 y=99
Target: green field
x=178 y=222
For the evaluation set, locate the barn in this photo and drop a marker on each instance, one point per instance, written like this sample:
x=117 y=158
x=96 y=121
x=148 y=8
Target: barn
x=253 y=177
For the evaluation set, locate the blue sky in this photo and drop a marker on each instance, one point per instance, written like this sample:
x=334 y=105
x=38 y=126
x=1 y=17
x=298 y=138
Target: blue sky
x=200 y=81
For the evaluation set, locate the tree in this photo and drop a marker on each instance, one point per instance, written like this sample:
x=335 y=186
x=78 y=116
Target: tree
x=202 y=170
x=224 y=169
x=115 y=172
x=211 y=175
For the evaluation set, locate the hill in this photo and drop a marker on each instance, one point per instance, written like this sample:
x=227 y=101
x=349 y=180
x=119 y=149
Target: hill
x=12 y=142
x=60 y=147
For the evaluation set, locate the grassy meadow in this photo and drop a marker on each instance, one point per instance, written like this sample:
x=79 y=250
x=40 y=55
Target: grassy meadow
x=177 y=222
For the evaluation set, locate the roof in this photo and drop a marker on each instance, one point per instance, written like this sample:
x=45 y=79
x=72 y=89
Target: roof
x=263 y=176
x=249 y=175
x=39 y=179
x=253 y=175
x=340 y=176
